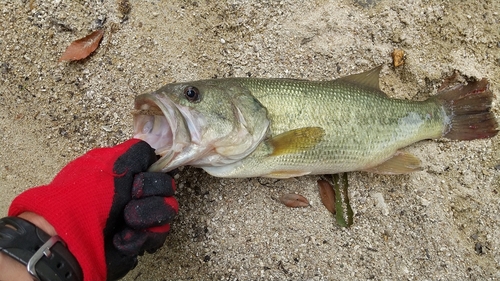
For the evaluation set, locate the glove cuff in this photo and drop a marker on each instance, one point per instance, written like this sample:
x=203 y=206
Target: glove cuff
x=88 y=248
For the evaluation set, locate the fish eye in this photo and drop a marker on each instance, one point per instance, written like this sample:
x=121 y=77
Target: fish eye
x=192 y=94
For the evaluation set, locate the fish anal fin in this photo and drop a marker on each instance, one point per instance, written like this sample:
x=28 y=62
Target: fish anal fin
x=295 y=141
x=368 y=79
x=400 y=163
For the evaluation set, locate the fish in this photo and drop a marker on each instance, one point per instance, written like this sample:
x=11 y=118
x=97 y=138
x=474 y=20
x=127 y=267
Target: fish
x=282 y=128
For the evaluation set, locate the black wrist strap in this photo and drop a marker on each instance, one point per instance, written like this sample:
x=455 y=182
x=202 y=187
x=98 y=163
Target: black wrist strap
x=45 y=257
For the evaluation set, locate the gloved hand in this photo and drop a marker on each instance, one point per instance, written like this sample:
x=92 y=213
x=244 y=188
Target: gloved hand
x=106 y=208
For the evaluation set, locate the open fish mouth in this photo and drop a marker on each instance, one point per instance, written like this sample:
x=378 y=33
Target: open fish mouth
x=160 y=123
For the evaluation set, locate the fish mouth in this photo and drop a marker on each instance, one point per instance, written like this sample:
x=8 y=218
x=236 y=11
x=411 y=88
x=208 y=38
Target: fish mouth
x=158 y=121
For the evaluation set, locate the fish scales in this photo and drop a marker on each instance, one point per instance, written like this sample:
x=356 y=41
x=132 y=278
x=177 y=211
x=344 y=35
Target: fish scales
x=362 y=127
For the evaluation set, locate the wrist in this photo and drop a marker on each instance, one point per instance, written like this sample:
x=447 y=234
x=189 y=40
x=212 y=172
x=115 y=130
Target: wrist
x=29 y=251
x=10 y=269
x=39 y=221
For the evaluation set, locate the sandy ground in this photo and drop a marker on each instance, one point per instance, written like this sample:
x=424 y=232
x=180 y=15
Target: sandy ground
x=439 y=224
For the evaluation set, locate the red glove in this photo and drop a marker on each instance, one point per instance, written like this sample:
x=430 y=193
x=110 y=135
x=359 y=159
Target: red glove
x=106 y=208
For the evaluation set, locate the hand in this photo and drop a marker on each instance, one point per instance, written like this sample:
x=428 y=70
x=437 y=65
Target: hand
x=106 y=208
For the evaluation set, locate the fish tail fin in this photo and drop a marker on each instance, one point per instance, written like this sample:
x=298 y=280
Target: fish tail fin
x=468 y=111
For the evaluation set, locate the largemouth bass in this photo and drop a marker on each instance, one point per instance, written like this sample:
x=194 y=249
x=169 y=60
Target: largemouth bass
x=247 y=127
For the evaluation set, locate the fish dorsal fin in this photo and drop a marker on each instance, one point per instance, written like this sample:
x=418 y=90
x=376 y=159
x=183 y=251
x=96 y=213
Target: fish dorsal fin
x=295 y=141
x=368 y=79
x=400 y=163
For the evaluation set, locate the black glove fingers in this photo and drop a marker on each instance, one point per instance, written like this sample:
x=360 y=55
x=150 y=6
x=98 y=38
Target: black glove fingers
x=149 y=212
x=119 y=263
x=136 y=159
x=152 y=184
x=131 y=242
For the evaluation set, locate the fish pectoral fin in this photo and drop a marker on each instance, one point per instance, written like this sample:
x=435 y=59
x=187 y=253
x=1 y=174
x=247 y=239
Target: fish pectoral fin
x=285 y=174
x=400 y=163
x=295 y=141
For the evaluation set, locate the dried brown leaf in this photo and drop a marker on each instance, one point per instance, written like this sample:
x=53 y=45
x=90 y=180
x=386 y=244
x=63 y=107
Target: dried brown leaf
x=327 y=195
x=83 y=47
x=294 y=200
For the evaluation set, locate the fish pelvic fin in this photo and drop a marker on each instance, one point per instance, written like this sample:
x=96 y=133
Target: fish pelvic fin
x=468 y=110
x=296 y=141
x=285 y=174
x=400 y=163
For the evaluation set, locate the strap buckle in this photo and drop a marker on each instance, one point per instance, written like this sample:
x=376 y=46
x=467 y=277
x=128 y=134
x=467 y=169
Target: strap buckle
x=43 y=251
